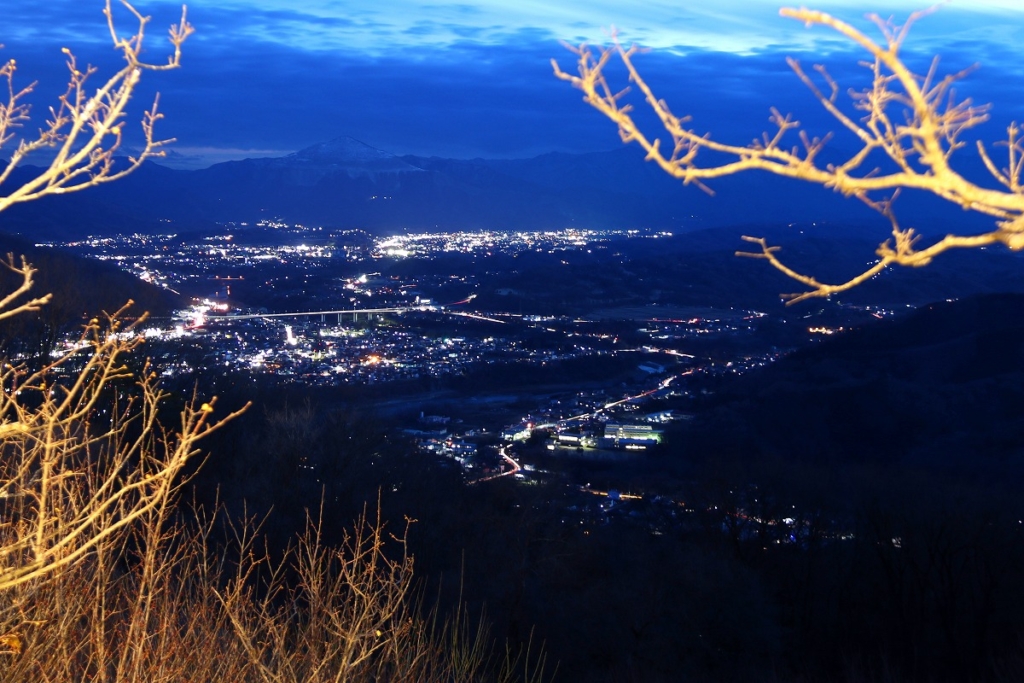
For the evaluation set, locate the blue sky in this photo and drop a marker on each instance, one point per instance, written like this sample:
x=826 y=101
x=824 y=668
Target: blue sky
x=472 y=78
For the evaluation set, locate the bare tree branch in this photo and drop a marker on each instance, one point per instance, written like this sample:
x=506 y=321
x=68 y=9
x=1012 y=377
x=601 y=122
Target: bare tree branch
x=915 y=121
x=85 y=129
x=76 y=473
x=98 y=580
x=8 y=308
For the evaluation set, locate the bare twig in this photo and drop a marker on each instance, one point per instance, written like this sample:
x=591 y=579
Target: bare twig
x=915 y=120
x=85 y=129
x=77 y=471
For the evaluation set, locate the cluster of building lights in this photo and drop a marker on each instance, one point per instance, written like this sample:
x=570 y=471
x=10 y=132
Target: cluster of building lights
x=490 y=241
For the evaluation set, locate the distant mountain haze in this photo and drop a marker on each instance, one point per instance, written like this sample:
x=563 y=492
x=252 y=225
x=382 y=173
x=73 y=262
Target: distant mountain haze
x=345 y=183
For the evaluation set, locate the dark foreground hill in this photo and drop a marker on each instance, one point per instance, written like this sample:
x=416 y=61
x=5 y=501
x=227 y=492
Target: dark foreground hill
x=849 y=514
x=81 y=288
x=941 y=387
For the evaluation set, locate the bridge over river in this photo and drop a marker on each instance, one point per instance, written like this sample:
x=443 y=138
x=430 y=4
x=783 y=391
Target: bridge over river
x=354 y=312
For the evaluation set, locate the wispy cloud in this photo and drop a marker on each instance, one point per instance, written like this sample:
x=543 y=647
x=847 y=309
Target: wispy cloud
x=474 y=79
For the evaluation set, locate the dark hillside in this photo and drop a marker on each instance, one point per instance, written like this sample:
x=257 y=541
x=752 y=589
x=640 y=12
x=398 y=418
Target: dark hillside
x=81 y=288
x=942 y=386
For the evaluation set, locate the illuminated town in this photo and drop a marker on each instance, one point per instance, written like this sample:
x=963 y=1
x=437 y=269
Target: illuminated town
x=440 y=334
x=331 y=311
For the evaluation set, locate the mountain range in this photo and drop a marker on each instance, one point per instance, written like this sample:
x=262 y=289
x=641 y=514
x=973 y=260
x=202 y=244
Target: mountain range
x=345 y=184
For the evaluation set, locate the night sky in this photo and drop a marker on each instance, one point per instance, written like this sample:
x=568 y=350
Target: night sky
x=473 y=79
